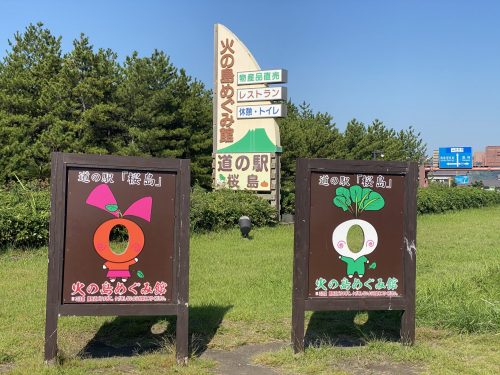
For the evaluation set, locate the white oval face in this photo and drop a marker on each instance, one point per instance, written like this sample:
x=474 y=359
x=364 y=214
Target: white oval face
x=339 y=238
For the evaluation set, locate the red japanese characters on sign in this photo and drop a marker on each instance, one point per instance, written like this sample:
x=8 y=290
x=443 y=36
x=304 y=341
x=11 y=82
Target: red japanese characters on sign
x=107 y=292
x=226 y=92
x=244 y=118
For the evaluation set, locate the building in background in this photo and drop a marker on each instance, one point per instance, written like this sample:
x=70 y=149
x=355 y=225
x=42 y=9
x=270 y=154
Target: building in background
x=478 y=159
x=455 y=165
x=492 y=156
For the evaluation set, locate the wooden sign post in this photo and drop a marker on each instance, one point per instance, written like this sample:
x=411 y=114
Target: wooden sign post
x=333 y=196
x=148 y=199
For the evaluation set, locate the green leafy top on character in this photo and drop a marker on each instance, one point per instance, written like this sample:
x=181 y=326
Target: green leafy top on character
x=357 y=199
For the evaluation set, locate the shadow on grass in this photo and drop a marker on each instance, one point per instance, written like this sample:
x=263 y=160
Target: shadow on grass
x=352 y=328
x=129 y=336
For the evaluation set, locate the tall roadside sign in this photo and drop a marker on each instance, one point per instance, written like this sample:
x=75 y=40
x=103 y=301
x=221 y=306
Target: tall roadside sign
x=246 y=137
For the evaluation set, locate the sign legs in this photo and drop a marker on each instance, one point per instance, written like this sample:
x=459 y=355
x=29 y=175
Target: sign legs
x=51 y=335
x=182 y=335
x=408 y=326
x=182 y=338
x=298 y=316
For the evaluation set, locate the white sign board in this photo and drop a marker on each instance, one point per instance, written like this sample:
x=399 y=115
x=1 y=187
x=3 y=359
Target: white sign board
x=262 y=76
x=261 y=111
x=260 y=94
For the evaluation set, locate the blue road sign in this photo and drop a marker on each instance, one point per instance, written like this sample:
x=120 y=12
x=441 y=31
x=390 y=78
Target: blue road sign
x=455 y=157
x=462 y=180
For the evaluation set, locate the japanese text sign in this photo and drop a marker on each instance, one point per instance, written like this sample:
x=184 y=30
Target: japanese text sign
x=334 y=272
x=260 y=94
x=131 y=199
x=244 y=171
x=365 y=201
x=262 y=76
x=260 y=111
x=255 y=130
x=455 y=157
x=95 y=196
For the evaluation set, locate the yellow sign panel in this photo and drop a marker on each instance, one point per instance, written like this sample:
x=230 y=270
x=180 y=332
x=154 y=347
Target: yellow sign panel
x=239 y=171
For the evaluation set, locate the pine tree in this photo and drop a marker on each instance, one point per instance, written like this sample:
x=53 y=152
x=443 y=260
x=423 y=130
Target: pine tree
x=167 y=114
x=29 y=68
x=307 y=135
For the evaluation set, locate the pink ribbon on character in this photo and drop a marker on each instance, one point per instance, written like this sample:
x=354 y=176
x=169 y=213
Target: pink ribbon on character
x=102 y=197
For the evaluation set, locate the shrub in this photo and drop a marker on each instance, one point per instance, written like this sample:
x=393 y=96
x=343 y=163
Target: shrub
x=24 y=217
x=221 y=209
x=437 y=198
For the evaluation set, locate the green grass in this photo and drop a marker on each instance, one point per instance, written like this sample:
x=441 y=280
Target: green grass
x=118 y=247
x=458 y=310
x=240 y=292
x=435 y=352
x=458 y=270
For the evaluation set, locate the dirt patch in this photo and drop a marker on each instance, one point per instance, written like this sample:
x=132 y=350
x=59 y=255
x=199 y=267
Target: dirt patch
x=6 y=367
x=239 y=361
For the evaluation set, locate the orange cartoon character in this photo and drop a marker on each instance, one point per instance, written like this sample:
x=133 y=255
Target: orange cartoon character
x=118 y=264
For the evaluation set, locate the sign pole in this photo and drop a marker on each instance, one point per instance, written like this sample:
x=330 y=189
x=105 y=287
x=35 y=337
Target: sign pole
x=277 y=187
x=301 y=241
x=54 y=269
x=410 y=236
x=182 y=328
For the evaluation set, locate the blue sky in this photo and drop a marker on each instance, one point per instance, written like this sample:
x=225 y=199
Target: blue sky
x=432 y=64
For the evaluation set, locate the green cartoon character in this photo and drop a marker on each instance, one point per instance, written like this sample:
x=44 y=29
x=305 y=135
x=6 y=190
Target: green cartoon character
x=356 y=200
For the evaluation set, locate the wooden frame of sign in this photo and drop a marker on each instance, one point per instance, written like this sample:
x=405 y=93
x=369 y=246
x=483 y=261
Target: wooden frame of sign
x=381 y=196
x=87 y=191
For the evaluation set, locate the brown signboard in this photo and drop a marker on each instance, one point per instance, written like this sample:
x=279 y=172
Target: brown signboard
x=92 y=271
x=334 y=272
x=145 y=270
